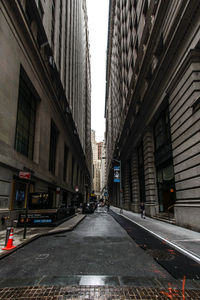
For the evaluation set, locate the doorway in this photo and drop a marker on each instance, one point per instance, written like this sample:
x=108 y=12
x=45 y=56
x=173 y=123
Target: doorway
x=166 y=188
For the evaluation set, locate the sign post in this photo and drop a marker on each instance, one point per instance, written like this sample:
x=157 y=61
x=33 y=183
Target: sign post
x=118 y=178
x=117 y=174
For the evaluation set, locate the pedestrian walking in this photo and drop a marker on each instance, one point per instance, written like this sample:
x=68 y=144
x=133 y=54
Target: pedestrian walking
x=142 y=208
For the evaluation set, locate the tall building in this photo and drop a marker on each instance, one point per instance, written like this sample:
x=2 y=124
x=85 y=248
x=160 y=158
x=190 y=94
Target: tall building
x=103 y=187
x=152 y=107
x=96 y=154
x=100 y=149
x=45 y=103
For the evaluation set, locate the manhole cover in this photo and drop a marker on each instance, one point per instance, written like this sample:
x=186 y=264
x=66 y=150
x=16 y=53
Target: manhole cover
x=161 y=254
x=42 y=256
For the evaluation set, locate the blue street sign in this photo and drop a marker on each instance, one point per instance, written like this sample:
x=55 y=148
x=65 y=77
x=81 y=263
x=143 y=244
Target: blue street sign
x=116 y=173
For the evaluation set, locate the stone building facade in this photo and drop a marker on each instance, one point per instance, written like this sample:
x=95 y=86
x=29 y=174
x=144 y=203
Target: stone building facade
x=45 y=102
x=152 y=107
x=96 y=155
x=103 y=170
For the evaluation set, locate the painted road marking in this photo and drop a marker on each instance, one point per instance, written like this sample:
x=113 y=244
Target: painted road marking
x=197 y=240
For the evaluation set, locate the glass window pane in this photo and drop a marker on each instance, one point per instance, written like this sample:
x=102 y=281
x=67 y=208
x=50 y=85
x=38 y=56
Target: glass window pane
x=25 y=126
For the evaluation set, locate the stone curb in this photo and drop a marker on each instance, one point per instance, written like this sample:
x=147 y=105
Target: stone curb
x=50 y=232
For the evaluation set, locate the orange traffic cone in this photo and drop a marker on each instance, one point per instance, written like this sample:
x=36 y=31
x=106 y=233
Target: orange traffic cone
x=9 y=245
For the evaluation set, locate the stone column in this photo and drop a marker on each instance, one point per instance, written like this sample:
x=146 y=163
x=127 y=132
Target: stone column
x=151 y=205
x=126 y=184
x=135 y=183
x=115 y=196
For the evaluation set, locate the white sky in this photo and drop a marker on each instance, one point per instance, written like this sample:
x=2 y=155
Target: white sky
x=98 y=23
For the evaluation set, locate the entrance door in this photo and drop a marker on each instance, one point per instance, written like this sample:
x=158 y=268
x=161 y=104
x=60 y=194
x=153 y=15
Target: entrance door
x=20 y=195
x=167 y=197
x=166 y=189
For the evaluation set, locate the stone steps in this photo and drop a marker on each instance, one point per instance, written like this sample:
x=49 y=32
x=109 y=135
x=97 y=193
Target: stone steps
x=165 y=218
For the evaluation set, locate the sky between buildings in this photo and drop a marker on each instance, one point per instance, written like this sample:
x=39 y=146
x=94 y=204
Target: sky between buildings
x=98 y=26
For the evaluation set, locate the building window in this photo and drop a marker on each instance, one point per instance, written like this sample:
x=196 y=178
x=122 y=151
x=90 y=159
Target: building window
x=130 y=180
x=66 y=41
x=40 y=10
x=136 y=45
x=145 y=8
x=26 y=112
x=77 y=176
x=196 y=105
x=28 y=13
x=162 y=130
x=60 y=34
x=164 y=163
x=53 y=146
x=65 y=163
x=53 y=22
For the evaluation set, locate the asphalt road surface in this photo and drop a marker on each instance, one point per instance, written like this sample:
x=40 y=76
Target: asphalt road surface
x=98 y=246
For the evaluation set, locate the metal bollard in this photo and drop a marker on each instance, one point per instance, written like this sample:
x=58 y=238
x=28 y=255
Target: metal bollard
x=8 y=230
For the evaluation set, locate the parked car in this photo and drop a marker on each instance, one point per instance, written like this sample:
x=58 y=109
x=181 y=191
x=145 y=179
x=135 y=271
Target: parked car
x=88 y=208
x=93 y=204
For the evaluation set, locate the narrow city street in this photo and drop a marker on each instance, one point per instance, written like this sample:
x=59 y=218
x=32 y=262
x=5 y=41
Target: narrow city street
x=98 y=246
x=99 y=149
x=98 y=253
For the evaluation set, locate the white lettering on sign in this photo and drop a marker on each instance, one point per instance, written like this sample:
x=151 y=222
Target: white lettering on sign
x=24 y=175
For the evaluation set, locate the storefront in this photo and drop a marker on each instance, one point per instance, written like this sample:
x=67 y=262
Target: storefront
x=21 y=188
x=43 y=208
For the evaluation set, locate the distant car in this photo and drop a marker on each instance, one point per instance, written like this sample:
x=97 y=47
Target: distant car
x=93 y=204
x=88 y=208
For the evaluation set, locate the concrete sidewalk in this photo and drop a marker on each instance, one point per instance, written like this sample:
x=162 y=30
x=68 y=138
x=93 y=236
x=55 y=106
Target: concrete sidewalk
x=184 y=240
x=36 y=232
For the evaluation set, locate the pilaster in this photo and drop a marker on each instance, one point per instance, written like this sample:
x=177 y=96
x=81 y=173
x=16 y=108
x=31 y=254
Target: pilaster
x=126 y=185
x=135 y=204
x=150 y=173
